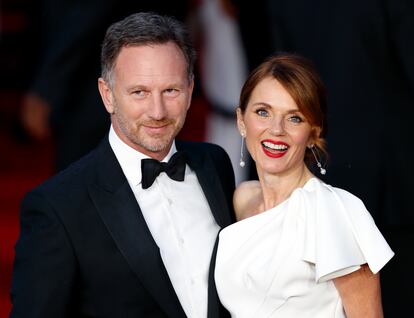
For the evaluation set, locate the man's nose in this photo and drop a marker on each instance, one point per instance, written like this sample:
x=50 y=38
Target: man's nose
x=157 y=109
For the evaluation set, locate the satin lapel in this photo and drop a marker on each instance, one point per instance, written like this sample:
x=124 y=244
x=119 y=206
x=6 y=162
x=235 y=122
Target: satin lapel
x=121 y=214
x=215 y=308
x=209 y=180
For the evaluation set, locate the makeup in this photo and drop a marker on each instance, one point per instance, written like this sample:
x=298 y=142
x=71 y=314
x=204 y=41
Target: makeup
x=274 y=149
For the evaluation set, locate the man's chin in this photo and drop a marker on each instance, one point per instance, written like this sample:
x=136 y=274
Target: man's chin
x=157 y=146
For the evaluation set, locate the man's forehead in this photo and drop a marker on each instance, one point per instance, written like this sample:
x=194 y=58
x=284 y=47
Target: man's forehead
x=167 y=50
x=149 y=61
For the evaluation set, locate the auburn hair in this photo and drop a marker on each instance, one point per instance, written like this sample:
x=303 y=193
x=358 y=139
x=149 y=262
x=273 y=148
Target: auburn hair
x=300 y=79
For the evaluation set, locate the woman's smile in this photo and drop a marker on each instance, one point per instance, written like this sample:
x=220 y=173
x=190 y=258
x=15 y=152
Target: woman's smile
x=274 y=149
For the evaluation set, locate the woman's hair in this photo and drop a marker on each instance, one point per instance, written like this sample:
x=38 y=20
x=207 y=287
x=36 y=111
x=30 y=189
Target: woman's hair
x=299 y=77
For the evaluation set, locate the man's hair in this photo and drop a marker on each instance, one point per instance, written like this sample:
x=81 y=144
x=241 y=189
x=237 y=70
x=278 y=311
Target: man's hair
x=144 y=28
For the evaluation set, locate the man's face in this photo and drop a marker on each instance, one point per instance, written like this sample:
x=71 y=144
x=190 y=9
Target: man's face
x=149 y=98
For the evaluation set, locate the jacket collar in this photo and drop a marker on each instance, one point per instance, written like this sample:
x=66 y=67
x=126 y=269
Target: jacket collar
x=117 y=206
x=208 y=177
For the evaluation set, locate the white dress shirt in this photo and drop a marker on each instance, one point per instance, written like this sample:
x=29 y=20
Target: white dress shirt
x=181 y=223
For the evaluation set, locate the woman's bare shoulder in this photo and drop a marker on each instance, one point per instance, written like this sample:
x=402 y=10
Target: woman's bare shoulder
x=247 y=198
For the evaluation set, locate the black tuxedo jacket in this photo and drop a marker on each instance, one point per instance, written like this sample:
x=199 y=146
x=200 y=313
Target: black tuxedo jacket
x=85 y=250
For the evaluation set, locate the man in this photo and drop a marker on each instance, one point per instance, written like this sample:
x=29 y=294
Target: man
x=103 y=238
x=69 y=36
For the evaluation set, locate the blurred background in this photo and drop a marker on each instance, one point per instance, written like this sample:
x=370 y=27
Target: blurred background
x=51 y=113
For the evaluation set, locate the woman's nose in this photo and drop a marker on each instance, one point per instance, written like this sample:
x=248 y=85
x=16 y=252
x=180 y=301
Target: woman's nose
x=277 y=127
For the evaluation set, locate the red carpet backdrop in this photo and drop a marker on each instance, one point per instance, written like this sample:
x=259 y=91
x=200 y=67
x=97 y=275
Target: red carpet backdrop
x=22 y=167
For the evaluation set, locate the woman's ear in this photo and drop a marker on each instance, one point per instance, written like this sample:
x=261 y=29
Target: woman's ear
x=315 y=133
x=106 y=95
x=240 y=122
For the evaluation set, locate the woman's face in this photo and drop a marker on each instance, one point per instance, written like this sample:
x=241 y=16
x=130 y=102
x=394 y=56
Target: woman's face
x=277 y=133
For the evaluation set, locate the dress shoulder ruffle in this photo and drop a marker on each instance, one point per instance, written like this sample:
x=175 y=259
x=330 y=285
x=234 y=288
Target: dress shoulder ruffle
x=340 y=234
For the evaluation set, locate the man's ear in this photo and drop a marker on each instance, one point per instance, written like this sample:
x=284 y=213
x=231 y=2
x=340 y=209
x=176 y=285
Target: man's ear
x=190 y=92
x=240 y=122
x=106 y=95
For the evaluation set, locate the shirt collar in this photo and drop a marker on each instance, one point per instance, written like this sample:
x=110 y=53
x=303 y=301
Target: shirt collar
x=130 y=159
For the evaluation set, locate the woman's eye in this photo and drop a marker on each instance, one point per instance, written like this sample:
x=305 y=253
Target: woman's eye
x=262 y=113
x=295 y=119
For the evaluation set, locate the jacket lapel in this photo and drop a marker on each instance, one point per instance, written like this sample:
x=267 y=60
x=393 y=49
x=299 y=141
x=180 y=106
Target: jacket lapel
x=117 y=206
x=208 y=178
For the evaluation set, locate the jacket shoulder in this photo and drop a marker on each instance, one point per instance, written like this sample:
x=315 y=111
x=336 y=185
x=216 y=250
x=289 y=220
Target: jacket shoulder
x=201 y=147
x=71 y=177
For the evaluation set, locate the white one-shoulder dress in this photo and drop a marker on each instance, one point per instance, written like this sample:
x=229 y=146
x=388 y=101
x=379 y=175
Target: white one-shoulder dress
x=281 y=262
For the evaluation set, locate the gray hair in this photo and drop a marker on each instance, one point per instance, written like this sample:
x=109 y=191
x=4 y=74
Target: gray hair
x=141 y=29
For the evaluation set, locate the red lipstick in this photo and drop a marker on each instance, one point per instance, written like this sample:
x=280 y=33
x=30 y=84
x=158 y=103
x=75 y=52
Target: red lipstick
x=274 y=153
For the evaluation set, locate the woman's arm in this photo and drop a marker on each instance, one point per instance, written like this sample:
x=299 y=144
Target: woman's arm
x=360 y=292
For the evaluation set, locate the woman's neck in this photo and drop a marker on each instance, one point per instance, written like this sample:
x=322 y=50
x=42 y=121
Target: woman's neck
x=277 y=188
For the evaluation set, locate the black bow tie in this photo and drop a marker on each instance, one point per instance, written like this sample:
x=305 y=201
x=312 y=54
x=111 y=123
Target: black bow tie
x=174 y=168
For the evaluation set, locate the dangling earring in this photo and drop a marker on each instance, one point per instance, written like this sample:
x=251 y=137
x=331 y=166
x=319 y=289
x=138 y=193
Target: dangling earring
x=242 y=162
x=321 y=169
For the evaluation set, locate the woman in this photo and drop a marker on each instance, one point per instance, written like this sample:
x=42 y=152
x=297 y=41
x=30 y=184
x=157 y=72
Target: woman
x=301 y=248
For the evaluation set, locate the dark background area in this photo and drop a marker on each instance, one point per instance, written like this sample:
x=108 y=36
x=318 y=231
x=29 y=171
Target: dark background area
x=362 y=49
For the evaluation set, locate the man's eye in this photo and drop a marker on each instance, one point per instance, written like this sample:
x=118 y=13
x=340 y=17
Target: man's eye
x=171 y=91
x=139 y=93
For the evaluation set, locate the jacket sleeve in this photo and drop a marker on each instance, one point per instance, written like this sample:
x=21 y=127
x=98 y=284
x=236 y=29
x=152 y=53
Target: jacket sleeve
x=45 y=267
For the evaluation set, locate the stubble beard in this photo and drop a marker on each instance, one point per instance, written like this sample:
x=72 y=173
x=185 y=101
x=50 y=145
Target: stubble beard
x=151 y=143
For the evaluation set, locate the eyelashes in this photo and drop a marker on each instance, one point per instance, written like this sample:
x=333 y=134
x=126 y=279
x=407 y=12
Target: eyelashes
x=296 y=119
x=262 y=112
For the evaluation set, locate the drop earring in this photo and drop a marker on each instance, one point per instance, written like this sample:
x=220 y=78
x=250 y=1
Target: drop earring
x=318 y=163
x=242 y=163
